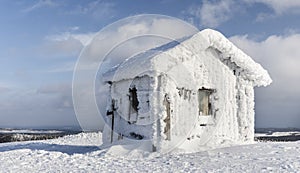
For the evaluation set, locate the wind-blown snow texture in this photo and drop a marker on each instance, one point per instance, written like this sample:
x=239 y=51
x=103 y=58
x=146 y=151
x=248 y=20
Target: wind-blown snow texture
x=79 y=153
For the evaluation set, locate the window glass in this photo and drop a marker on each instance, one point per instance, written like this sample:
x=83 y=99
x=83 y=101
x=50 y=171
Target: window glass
x=204 y=104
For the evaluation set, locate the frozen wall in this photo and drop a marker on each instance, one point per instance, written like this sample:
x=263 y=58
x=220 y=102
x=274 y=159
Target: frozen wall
x=128 y=122
x=232 y=116
x=201 y=69
x=245 y=112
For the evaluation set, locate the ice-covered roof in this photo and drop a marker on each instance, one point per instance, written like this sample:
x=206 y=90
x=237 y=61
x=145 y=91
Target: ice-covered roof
x=252 y=70
x=208 y=38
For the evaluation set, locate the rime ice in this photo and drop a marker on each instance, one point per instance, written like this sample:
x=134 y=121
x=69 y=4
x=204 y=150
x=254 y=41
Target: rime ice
x=190 y=94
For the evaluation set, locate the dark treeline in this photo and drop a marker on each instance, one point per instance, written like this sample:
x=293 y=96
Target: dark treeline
x=292 y=135
x=14 y=137
x=278 y=138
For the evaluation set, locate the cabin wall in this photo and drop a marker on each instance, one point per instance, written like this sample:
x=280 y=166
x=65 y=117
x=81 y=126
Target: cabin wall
x=176 y=115
x=245 y=113
x=168 y=103
x=129 y=123
x=216 y=75
x=201 y=70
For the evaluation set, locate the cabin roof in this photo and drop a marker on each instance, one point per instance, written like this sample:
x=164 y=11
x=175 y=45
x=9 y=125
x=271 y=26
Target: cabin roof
x=143 y=63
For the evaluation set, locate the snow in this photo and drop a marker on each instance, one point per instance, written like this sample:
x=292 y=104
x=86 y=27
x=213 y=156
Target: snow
x=252 y=70
x=201 y=41
x=81 y=153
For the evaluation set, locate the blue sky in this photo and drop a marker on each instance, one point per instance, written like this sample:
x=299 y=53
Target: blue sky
x=41 y=41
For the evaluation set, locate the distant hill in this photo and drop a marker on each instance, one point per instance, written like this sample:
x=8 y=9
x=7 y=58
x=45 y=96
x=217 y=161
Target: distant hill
x=277 y=134
x=14 y=135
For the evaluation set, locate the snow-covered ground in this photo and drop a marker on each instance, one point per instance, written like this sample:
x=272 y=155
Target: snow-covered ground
x=80 y=153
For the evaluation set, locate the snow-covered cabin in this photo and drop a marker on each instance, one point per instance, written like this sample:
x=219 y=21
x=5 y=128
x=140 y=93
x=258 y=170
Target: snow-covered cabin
x=195 y=92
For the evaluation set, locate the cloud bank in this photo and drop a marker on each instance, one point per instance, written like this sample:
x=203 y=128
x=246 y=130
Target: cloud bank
x=216 y=12
x=213 y=14
x=279 y=6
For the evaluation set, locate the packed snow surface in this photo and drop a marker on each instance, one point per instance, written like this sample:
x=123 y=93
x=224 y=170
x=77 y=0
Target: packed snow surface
x=80 y=153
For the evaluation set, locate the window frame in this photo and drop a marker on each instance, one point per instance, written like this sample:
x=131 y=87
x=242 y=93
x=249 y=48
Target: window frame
x=207 y=105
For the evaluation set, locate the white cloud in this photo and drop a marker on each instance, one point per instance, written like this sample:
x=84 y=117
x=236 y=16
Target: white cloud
x=40 y=4
x=35 y=110
x=280 y=6
x=60 y=48
x=212 y=13
x=48 y=96
x=66 y=44
x=149 y=32
x=83 y=38
x=280 y=55
x=74 y=28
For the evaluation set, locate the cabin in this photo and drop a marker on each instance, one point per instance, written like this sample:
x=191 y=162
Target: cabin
x=198 y=91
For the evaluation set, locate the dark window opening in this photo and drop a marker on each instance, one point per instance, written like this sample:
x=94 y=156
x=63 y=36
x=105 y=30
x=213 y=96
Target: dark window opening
x=134 y=103
x=204 y=101
x=136 y=136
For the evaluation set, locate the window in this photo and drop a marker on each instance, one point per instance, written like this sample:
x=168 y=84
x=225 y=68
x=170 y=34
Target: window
x=204 y=101
x=134 y=103
x=139 y=104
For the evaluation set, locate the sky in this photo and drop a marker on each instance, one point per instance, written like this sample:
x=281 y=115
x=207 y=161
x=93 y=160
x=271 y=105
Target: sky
x=41 y=41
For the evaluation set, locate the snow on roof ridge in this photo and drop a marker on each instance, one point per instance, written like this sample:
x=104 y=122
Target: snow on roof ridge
x=254 y=71
x=116 y=72
x=207 y=38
